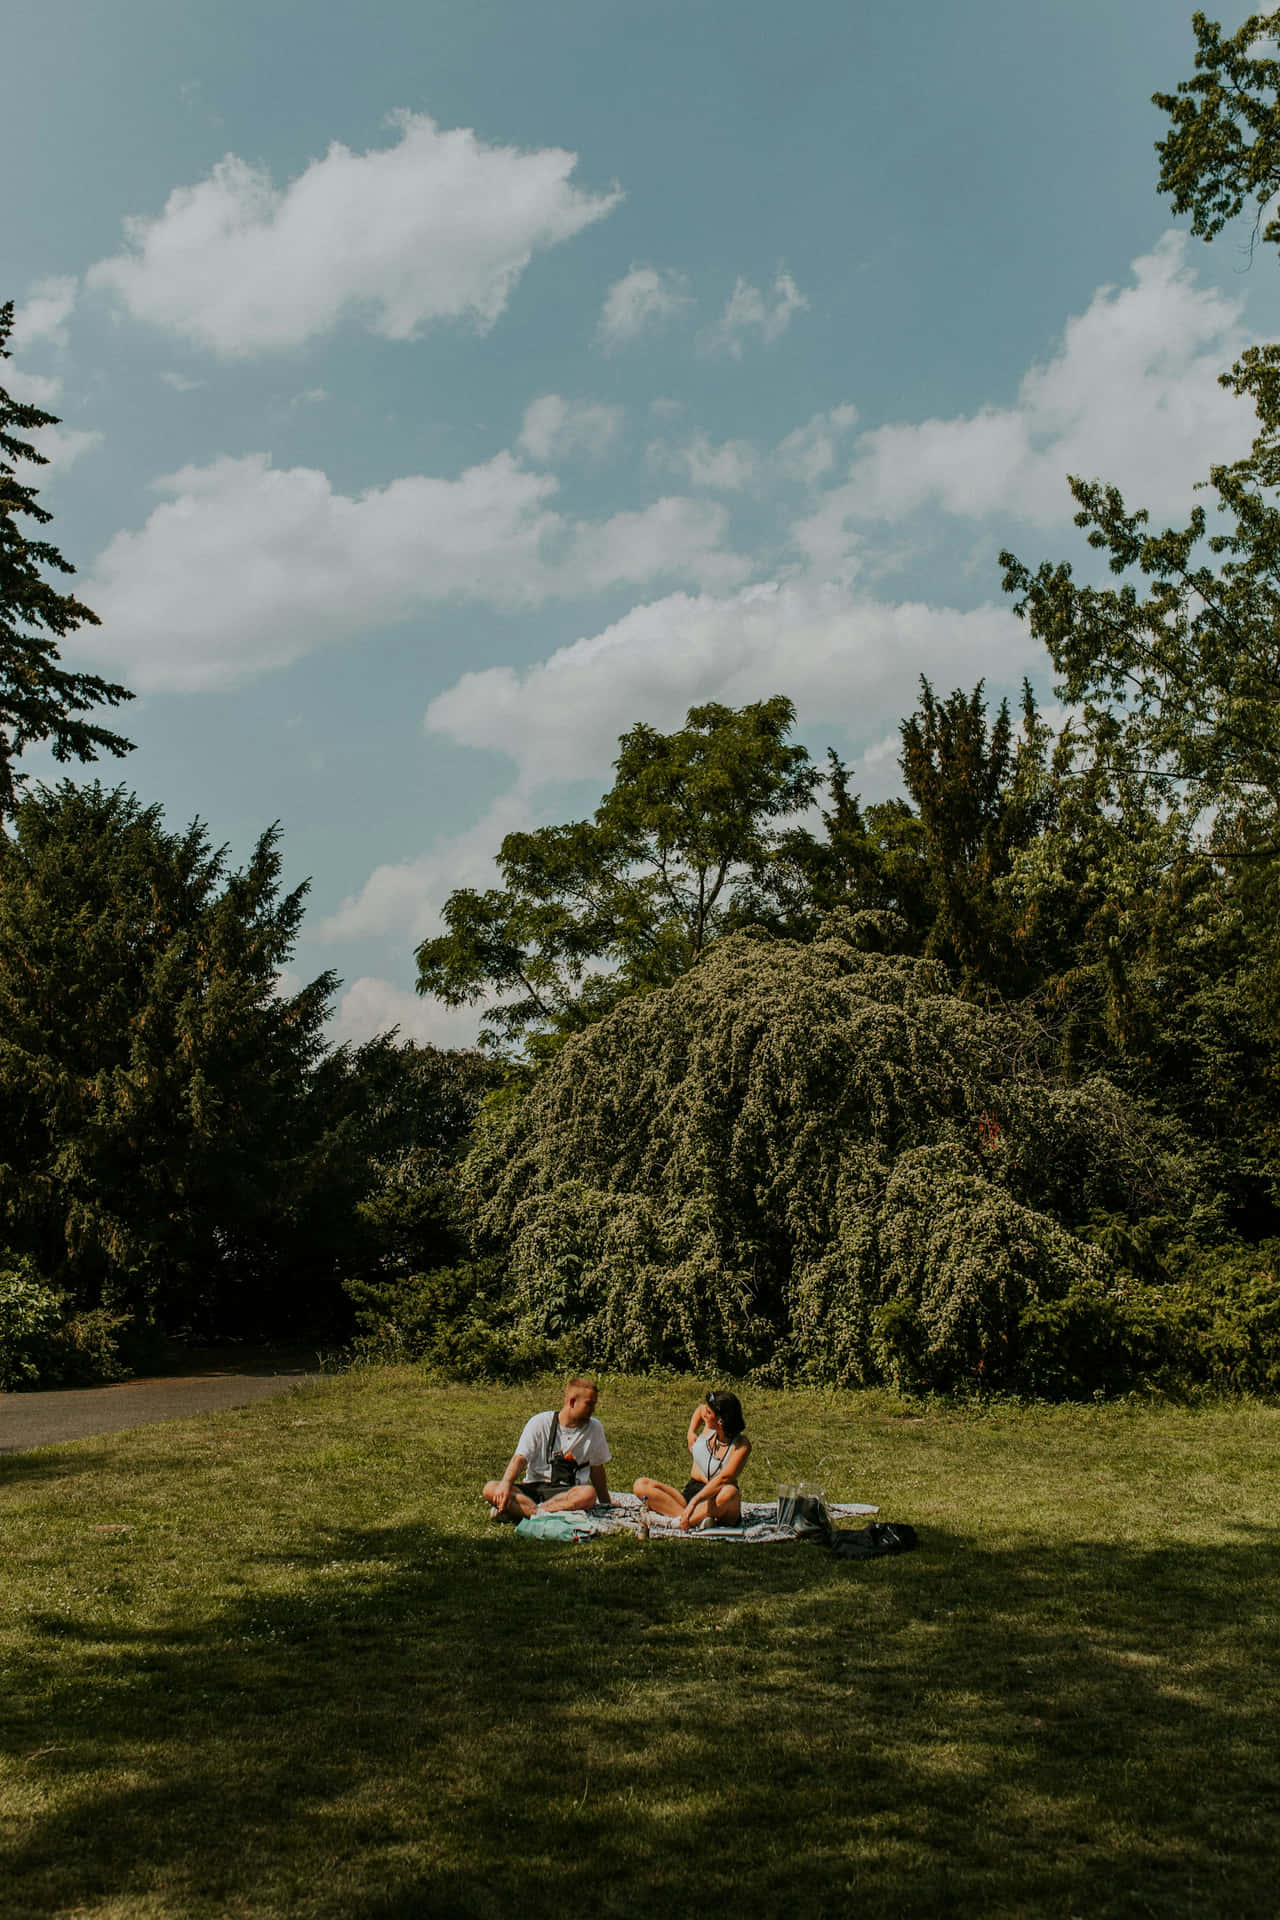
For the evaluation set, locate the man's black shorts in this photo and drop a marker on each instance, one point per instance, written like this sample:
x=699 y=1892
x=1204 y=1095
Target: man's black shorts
x=539 y=1490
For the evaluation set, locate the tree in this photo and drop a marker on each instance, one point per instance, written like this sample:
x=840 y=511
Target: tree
x=39 y=699
x=1167 y=860
x=928 y=878
x=632 y=898
x=1224 y=145
x=162 y=1135
x=805 y=1157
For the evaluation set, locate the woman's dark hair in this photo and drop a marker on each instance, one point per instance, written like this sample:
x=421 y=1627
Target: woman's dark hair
x=728 y=1411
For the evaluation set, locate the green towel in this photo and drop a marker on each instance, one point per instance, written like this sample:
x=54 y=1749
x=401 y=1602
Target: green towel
x=557 y=1526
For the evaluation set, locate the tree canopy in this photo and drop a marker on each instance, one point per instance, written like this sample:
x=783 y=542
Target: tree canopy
x=157 y=1138
x=641 y=889
x=807 y=1157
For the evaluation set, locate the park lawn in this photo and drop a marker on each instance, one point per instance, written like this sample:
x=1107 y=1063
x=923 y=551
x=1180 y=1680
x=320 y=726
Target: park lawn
x=277 y=1662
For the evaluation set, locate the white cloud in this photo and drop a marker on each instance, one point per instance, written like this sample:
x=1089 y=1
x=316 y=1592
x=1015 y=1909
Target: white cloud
x=642 y=301
x=181 y=382
x=748 y=311
x=555 y=428
x=809 y=453
x=438 y=226
x=830 y=648
x=1131 y=395
x=371 y=1006
x=405 y=896
x=246 y=567
x=44 y=312
x=724 y=468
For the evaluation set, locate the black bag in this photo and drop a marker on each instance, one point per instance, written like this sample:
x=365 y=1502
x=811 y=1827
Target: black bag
x=564 y=1473
x=868 y=1543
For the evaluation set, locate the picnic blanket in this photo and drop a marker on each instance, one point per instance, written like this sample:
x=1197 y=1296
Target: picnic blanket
x=759 y=1524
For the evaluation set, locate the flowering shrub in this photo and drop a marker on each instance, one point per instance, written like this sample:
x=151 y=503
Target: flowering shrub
x=810 y=1159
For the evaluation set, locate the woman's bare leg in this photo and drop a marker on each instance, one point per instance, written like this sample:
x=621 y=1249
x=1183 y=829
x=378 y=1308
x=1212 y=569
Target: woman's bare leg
x=725 y=1505
x=661 y=1497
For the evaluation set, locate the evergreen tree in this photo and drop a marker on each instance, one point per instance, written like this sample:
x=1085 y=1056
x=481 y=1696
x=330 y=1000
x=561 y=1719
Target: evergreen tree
x=164 y=1123
x=39 y=699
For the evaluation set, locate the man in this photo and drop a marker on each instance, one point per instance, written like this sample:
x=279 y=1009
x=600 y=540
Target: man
x=574 y=1436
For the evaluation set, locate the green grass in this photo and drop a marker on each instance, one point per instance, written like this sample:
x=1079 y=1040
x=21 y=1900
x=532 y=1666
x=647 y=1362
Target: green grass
x=276 y=1662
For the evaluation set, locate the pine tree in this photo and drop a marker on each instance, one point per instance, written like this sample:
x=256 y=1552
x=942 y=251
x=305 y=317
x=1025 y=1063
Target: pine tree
x=39 y=699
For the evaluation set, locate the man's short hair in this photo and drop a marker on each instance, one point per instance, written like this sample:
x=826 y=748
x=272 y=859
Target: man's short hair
x=580 y=1380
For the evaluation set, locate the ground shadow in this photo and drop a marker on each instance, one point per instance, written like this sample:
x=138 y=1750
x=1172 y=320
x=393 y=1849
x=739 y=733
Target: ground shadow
x=402 y=1733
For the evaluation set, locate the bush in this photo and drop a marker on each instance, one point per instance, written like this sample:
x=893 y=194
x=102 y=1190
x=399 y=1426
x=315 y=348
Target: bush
x=1221 y=1320
x=454 y=1319
x=40 y=1346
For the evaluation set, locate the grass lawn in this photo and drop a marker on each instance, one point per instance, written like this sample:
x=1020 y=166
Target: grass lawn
x=276 y=1662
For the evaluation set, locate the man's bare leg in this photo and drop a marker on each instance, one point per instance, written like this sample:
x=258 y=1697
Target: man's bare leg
x=572 y=1500
x=518 y=1507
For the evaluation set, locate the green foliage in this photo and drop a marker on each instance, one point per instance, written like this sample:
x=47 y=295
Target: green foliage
x=641 y=888
x=39 y=700
x=40 y=1345
x=30 y=1317
x=1224 y=145
x=454 y=1319
x=810 y=1158
x=157 y=1135
x=1221 y=1322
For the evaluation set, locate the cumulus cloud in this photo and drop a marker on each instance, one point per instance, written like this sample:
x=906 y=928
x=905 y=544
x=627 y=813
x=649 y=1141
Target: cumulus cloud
x=641 y=302
x=556 y=429
x=810 y=453
x=750 y=313
x=1131 y=394
x=44 y=313
x=405 y=896
x=246 y=567
x=437 y=226
x=371 y=1006
x=829 y=647
x=724 y=468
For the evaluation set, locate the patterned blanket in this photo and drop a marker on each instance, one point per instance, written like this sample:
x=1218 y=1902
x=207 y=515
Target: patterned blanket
x=759 y=1521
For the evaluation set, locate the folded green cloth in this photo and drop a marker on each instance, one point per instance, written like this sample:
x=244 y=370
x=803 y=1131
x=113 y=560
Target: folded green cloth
x=557 y=1526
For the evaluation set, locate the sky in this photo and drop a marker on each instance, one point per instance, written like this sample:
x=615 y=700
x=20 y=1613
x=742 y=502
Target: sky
x=446 y=387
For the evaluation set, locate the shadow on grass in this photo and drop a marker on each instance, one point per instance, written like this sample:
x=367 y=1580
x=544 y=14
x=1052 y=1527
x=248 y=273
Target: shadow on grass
x=456 y=1725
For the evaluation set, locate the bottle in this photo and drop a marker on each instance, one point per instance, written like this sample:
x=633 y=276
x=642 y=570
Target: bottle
x=643 y=1529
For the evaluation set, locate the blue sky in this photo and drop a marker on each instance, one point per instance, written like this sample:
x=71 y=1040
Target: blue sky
x=446 y=387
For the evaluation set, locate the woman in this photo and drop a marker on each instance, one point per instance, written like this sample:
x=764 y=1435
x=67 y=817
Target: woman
x=719 y=1446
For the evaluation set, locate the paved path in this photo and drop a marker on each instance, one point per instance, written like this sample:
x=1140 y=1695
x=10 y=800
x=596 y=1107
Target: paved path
x=74 y=1413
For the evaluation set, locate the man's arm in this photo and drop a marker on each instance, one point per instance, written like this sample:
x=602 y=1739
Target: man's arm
x=600 y=1481
x=515 y=1471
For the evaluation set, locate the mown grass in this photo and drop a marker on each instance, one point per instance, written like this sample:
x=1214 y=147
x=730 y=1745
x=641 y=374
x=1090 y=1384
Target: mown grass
x=277 y=1662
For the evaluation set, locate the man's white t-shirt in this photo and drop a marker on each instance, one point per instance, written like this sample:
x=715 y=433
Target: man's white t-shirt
x=587 y=1444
